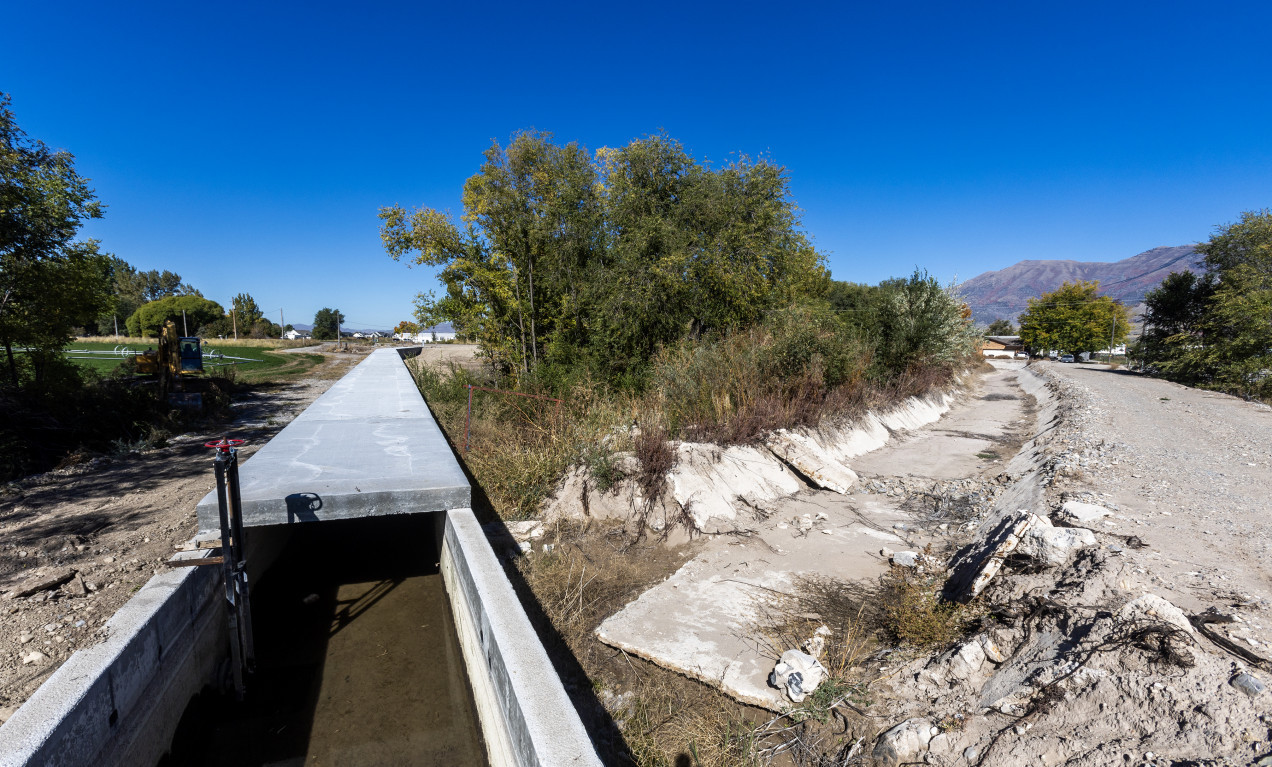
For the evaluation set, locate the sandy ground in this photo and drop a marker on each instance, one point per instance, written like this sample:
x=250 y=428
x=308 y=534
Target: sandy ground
x=112 y=521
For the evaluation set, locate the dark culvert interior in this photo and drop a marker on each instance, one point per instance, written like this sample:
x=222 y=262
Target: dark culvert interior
x=358 y=662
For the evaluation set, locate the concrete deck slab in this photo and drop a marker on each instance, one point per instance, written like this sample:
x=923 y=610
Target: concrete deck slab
x=367 y=447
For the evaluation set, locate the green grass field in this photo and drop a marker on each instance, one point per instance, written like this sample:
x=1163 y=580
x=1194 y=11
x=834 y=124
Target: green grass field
x=265 y=365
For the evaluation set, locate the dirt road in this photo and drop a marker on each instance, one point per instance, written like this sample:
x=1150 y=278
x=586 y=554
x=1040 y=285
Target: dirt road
x=112 y=521
x=1189 y=472
x=1138 y=634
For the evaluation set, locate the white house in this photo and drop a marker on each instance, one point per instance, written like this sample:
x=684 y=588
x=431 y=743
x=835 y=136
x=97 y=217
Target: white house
x=440 y=332
x=292 y=335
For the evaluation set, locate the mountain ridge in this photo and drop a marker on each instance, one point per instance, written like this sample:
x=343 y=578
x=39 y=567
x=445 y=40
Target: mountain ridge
x=1005 y=293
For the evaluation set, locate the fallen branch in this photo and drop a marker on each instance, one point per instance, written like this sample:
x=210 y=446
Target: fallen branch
x=1201 y=623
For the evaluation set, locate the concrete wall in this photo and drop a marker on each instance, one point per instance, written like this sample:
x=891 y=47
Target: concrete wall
x=526 y=716
x=118 y=703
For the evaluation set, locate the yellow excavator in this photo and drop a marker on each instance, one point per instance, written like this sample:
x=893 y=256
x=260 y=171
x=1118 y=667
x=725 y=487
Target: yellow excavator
x=177 y=363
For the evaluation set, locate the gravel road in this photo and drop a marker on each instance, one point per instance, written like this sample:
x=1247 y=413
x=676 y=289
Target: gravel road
x=1189 y=471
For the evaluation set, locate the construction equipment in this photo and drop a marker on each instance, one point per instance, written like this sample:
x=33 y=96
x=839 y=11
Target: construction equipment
x=177 y=358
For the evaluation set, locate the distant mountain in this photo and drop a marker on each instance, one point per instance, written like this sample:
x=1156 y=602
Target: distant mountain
x=1005 y=293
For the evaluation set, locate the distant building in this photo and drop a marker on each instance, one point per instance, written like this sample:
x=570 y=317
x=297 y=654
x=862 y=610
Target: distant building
x=1001 y=346
x=441 y=332
x=292 y=335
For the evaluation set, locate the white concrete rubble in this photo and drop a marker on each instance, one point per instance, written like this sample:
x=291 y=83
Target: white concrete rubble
x=1053 y=545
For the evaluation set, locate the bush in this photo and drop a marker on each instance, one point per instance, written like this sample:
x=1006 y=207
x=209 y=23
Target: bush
x=913 y=613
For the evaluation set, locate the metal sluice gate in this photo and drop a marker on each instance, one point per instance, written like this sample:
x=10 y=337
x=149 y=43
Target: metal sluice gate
x=233 y=562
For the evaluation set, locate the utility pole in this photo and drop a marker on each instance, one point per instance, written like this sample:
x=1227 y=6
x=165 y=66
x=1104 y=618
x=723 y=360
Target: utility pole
x=185 y=330
x=282 y=323
x=234 y=321
x=116 y=324
x=1112 y=333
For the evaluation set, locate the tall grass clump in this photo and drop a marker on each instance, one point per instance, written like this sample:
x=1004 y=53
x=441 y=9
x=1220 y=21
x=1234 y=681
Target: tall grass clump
x=788 y=371
x=519 y=448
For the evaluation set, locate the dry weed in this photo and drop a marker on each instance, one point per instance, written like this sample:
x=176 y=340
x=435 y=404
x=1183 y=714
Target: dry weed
x=913 y=613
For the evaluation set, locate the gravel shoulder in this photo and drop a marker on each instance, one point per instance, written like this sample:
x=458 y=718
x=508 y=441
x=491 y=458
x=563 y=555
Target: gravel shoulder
x=1188 y=472
x=108 y=524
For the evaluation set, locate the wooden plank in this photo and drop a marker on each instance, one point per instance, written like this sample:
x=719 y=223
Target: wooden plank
x=195 y=562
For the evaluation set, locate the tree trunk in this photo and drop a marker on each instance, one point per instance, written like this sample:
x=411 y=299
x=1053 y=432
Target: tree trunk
x=521 y=322
x=534 y=337
x=13 y=366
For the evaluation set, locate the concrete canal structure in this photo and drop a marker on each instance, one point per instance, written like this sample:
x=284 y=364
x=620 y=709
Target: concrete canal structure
x=360 y=504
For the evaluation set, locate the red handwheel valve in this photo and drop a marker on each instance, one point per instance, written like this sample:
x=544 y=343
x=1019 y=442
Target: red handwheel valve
x=225 y=445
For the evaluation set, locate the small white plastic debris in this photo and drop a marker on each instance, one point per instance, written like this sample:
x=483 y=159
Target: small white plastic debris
x=797 y=674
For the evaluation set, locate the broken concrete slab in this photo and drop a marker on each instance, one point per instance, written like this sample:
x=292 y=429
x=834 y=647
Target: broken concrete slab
x=698 y=623
x=706 y=620
x=367 y=447
x=974 y=567
x=1053 y=545
x=808 y=457
x=1080 y=514
x=715 y=485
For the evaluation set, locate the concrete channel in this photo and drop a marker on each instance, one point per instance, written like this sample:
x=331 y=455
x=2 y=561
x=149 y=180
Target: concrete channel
x=387 y=629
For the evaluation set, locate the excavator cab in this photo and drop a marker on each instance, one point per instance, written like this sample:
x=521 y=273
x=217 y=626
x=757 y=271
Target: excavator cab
x=190 y=351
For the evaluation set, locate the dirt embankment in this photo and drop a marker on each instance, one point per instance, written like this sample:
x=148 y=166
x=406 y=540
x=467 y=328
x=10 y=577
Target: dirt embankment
x=87 y=536
x=1132 y=630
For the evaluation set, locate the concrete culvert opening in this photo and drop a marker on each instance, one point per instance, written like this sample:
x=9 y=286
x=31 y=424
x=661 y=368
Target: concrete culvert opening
x=357 y=658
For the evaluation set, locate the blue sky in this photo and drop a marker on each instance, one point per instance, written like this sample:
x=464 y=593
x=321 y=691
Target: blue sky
x=249 y=146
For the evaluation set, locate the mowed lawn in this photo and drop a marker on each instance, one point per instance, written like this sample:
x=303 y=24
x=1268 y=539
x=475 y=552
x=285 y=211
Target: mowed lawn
x=265 y=362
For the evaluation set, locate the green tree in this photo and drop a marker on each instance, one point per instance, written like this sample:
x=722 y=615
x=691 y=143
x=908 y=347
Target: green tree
x=565 y=259
x=921 y=323
x=1074 y=318
x=326 y=324
x=246 y=313
x=1000 y=327
x=133 y=288
x=1174 y=325
x=1237 y=326
x=186 y=311
x=43 y=201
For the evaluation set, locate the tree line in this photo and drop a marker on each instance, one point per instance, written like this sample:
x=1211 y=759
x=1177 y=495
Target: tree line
x=54 y=287
x=1211 y=329
x=566 y=259
x=1215 y=329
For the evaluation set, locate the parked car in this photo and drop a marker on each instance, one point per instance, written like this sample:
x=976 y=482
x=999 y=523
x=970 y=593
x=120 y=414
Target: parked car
x=1066 y=358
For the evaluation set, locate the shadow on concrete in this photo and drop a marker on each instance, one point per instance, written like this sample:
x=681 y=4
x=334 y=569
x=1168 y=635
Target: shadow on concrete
x=302 y=507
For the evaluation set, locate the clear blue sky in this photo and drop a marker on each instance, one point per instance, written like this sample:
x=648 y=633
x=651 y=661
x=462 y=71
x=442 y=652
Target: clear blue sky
x=248 y=146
